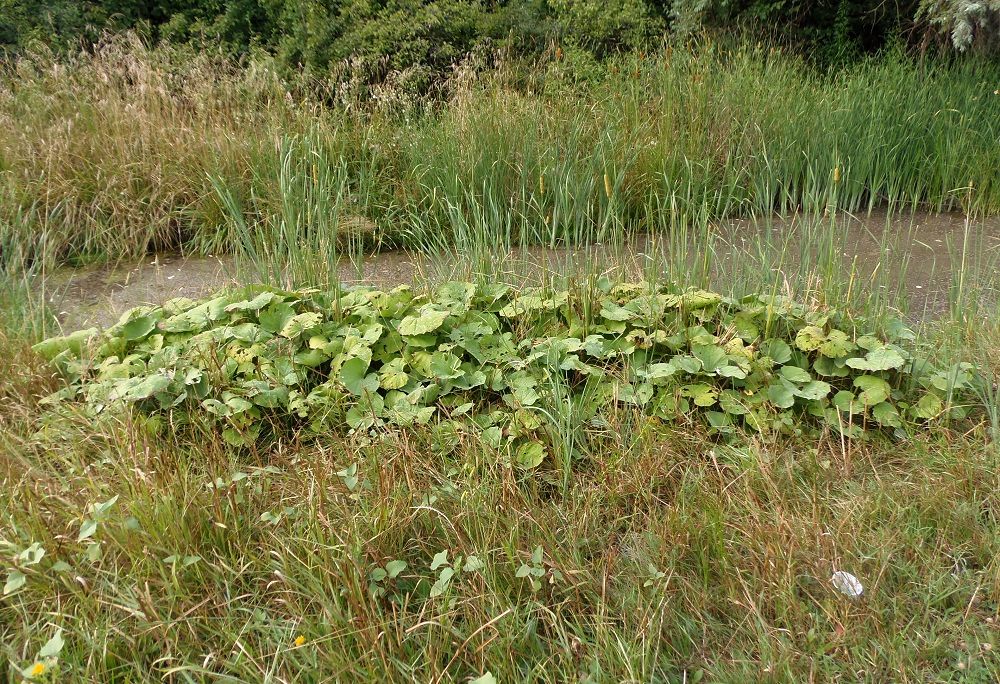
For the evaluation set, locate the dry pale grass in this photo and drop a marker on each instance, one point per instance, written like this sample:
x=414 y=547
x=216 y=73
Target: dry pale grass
x=113 y=150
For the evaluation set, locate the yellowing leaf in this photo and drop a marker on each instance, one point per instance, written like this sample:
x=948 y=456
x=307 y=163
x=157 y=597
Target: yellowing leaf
x=810 y=338
x=392 y=376
x=836 y=345
x=300 y=323
x=427 y=320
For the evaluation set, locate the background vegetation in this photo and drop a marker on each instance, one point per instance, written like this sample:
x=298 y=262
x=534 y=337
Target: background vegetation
x=432 y=34
x=126 y=148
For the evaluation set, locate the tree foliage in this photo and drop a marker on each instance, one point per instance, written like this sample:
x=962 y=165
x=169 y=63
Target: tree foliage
x=431 y=35
x=966 y=24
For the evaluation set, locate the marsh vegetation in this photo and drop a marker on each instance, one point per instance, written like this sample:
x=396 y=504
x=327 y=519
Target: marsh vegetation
x=541 y=374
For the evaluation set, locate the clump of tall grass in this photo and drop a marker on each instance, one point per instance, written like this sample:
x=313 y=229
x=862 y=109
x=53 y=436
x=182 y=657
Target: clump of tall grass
x=110 y=150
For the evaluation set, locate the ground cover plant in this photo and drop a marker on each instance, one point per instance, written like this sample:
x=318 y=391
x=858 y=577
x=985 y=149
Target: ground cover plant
x=364 y=359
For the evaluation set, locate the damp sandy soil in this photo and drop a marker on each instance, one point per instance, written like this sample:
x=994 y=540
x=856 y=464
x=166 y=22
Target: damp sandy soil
x=100 y=295
x=919 y=261
x=917 y=256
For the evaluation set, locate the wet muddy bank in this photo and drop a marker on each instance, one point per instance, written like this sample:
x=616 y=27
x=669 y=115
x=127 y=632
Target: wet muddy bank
x=923 y=258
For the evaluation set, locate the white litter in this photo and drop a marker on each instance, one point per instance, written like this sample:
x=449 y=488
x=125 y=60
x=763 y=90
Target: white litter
x=847 y=584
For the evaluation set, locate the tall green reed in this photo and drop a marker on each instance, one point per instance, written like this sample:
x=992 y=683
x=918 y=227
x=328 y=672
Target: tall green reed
x=298 y=240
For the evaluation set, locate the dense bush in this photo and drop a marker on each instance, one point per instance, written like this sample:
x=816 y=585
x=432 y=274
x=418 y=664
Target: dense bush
x=314 y=33
x=431 y=35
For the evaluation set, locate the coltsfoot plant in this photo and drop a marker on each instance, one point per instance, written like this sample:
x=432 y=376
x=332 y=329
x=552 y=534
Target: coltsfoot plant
x=263 y=363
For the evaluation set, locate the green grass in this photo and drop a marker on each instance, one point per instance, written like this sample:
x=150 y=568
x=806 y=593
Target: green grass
x=746 y=537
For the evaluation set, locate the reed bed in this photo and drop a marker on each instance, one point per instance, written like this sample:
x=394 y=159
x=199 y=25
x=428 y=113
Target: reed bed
x=129 y=149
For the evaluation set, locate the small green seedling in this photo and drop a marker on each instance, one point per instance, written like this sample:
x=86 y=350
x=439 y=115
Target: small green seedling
x=15 y=576
x=533 y=570
x=381 y=577
x=449 y=571
x=275 y=518
x=654 y=576
x=98 y=513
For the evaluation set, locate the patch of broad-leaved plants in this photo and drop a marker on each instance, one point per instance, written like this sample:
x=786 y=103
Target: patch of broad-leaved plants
x=478 y=358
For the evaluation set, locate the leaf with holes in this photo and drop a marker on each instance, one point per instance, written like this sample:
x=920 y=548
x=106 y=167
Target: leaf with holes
x=810 y=338
x=836 y=345
x=300 y=324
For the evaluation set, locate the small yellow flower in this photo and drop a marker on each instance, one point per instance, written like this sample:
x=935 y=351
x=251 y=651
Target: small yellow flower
x=38 y=669
x=299 y=640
